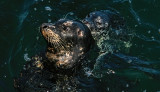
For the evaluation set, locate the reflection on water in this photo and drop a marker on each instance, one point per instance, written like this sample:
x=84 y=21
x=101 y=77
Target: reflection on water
x=135 y=68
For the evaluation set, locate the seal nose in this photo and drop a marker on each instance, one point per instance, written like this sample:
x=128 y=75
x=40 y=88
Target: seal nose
x=44 y=25
x=47 y=25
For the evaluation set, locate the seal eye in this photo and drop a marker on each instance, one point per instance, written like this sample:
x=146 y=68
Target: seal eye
x=98 y=23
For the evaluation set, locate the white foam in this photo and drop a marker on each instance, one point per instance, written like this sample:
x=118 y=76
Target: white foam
x=26 y=58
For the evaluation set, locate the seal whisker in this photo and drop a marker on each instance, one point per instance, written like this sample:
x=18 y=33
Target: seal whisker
x=65 y=44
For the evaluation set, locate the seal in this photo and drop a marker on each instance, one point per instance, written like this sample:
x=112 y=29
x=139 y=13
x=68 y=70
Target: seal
x=68 y=41
x=99 y=21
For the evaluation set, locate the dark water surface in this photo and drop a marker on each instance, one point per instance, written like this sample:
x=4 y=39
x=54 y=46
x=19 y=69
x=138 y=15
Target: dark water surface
x=137 y=69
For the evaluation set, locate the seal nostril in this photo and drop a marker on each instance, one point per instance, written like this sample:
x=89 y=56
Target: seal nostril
x=45 y=26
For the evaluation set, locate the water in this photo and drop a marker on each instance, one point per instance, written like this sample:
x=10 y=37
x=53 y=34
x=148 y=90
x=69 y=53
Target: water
x=135 y=70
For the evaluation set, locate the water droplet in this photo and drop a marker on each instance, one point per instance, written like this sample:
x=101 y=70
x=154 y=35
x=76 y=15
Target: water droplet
x=159 y=30
x=69 y=88
x=49 y=20
x=129 y=61
x=145 y=90
x=136 y=25
x=41 y=84
x=5 y=63
x=127 y=85
x=149 y=32
x=37 y=37
x=107 y=88
x=35 y=9
x=152 y=37
x=130 y=1
x=47 y=8
x=4 y=76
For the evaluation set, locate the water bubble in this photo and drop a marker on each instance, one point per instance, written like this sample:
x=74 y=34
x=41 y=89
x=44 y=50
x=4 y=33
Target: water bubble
x=152 y=38
x=130 y=1
x=4 y=76
x=69 y=88
x=5 y=63
x=47 y=8
x=49 y=20
x=37 y=37
x=136 y=25
x=127 y=85
x=49 y=14
x=35 y=9
x=107 y=88
x=149 y=32
x=41 y=84
x=129 y=61
x=145 y=90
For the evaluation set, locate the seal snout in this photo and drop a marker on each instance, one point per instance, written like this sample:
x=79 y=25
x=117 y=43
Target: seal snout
x=45 y=26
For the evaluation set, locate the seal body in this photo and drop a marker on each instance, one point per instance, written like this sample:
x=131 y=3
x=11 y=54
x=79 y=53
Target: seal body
x=68 y=41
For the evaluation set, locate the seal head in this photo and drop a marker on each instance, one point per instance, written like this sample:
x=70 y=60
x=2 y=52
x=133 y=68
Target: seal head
x=68 y=41
x=99 y=21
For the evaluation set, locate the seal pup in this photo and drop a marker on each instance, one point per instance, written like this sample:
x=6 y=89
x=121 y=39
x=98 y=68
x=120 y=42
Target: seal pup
x=100 y=21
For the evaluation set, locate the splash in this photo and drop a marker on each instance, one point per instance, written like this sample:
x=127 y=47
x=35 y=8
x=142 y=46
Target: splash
x=26 y=58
